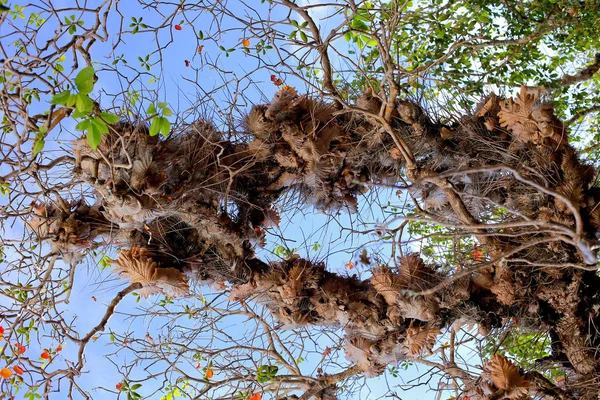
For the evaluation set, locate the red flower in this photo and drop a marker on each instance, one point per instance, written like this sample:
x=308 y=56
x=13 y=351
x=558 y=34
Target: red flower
x=18 y=370
x=255 y=396
x=273 y=77
x=1 y=330
x=178 y=27
x=187 y=63
x=45 y=355
x=119 y=386
x=20 y=348
x=59 y=348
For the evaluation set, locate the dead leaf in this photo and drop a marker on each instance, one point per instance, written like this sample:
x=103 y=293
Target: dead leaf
x=505 y=375
x=136 y=265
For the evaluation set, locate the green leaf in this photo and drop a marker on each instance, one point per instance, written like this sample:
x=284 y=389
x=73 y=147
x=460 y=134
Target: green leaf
x=371 y=43
x=167 y=112
x=83 y=103
x=151 y=109
x=110 y=118
x=62 y=97
x=200 y=35
x=79 y=114
x=83 y=125
x=303 y=36
x=85 y=80
x=484 y=18
x=155 y=126
x=38 y=146
x=94 y=136
x=98 y=124
x=162 y=104
x=359 y=25
x=71 y=100
x=165 y=126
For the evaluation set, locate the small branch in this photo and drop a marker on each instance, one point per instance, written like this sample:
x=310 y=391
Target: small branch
x=545 y=388
x=321 y=47
x=109 y=312
x=327 y=380
x=582 y=75
x=582 y=114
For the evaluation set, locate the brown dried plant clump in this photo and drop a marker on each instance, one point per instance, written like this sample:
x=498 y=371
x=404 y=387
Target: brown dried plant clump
x=196 y=203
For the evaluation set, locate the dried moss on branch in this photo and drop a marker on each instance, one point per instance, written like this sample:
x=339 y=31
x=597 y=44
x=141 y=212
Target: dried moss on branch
x=196 y=203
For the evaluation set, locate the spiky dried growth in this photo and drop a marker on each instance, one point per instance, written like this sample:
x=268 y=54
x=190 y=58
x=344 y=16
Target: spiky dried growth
x=388 y=284
x=529 y=120
x=137 y=265
x=505 y=375
x=419 y=340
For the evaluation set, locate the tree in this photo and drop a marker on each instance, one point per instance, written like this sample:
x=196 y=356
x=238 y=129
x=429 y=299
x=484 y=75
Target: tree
x=412 y=98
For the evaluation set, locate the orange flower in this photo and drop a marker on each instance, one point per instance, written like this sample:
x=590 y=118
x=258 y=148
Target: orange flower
x=349 y=265
x=255 y=396
x=326 y=352
x=178 y=27
x=1 y=338
x=45 y=355
x=20 y=348
x=18 y=370
x=59 y=348
x=5 y=373
x=477 y=255
x=198 y=366
x=209 y=373
x=119 y=386
x=246 y=43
